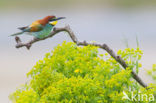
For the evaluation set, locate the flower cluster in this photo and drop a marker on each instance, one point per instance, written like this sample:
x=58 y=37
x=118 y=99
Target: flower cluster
x=73 y=74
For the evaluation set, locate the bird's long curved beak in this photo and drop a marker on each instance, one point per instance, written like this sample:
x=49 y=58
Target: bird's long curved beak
x=59 y=18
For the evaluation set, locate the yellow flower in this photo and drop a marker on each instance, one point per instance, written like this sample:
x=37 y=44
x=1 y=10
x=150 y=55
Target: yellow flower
x=106 y=54
x=77 y=70
x=140 y=65
x=101 y=55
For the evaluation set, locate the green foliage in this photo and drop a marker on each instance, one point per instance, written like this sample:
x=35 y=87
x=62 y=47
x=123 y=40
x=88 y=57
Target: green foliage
x=152 y=72
x=72 y=74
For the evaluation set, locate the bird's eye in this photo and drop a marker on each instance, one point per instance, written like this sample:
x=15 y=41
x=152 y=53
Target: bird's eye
x=52 y=19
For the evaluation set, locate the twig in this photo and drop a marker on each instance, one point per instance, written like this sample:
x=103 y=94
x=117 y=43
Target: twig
x=84 y=43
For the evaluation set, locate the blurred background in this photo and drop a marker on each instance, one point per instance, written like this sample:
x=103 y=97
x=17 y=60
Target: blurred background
x=105 y=21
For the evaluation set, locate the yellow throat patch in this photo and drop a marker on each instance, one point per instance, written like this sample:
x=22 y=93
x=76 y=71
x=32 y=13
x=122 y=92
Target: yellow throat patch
x=53 y=22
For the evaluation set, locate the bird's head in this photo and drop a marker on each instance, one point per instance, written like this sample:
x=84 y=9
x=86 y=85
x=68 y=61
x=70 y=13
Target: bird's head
x=53 y=20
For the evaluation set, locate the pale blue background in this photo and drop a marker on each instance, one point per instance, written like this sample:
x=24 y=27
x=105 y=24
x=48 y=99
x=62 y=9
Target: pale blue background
x=102 y=22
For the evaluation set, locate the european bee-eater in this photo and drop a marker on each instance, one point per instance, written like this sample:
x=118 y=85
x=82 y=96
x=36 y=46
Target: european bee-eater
x=40 y=28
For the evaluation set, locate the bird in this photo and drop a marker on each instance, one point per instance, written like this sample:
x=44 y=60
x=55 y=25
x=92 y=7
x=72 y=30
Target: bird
x=40 y=28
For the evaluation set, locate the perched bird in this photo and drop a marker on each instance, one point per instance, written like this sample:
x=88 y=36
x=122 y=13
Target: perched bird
x=40 y=28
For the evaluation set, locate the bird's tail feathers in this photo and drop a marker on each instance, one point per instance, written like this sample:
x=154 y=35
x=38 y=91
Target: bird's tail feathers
x=19 y=33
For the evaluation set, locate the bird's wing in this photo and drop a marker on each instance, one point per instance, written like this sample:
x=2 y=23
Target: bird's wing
x=36 y=26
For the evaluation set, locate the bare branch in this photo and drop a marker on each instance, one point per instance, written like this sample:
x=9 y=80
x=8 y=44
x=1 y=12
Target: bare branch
x=84 y=43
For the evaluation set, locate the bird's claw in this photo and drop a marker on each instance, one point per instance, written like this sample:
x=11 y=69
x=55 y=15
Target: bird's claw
x=54 y=29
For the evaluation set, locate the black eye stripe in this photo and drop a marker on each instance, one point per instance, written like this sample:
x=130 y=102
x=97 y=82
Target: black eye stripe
x=52 y=20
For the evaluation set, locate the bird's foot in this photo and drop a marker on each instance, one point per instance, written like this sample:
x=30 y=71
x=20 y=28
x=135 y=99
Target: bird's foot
x=54 y=29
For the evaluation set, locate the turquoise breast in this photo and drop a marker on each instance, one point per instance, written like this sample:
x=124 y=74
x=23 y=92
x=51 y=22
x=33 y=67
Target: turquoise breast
x=44 y=32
